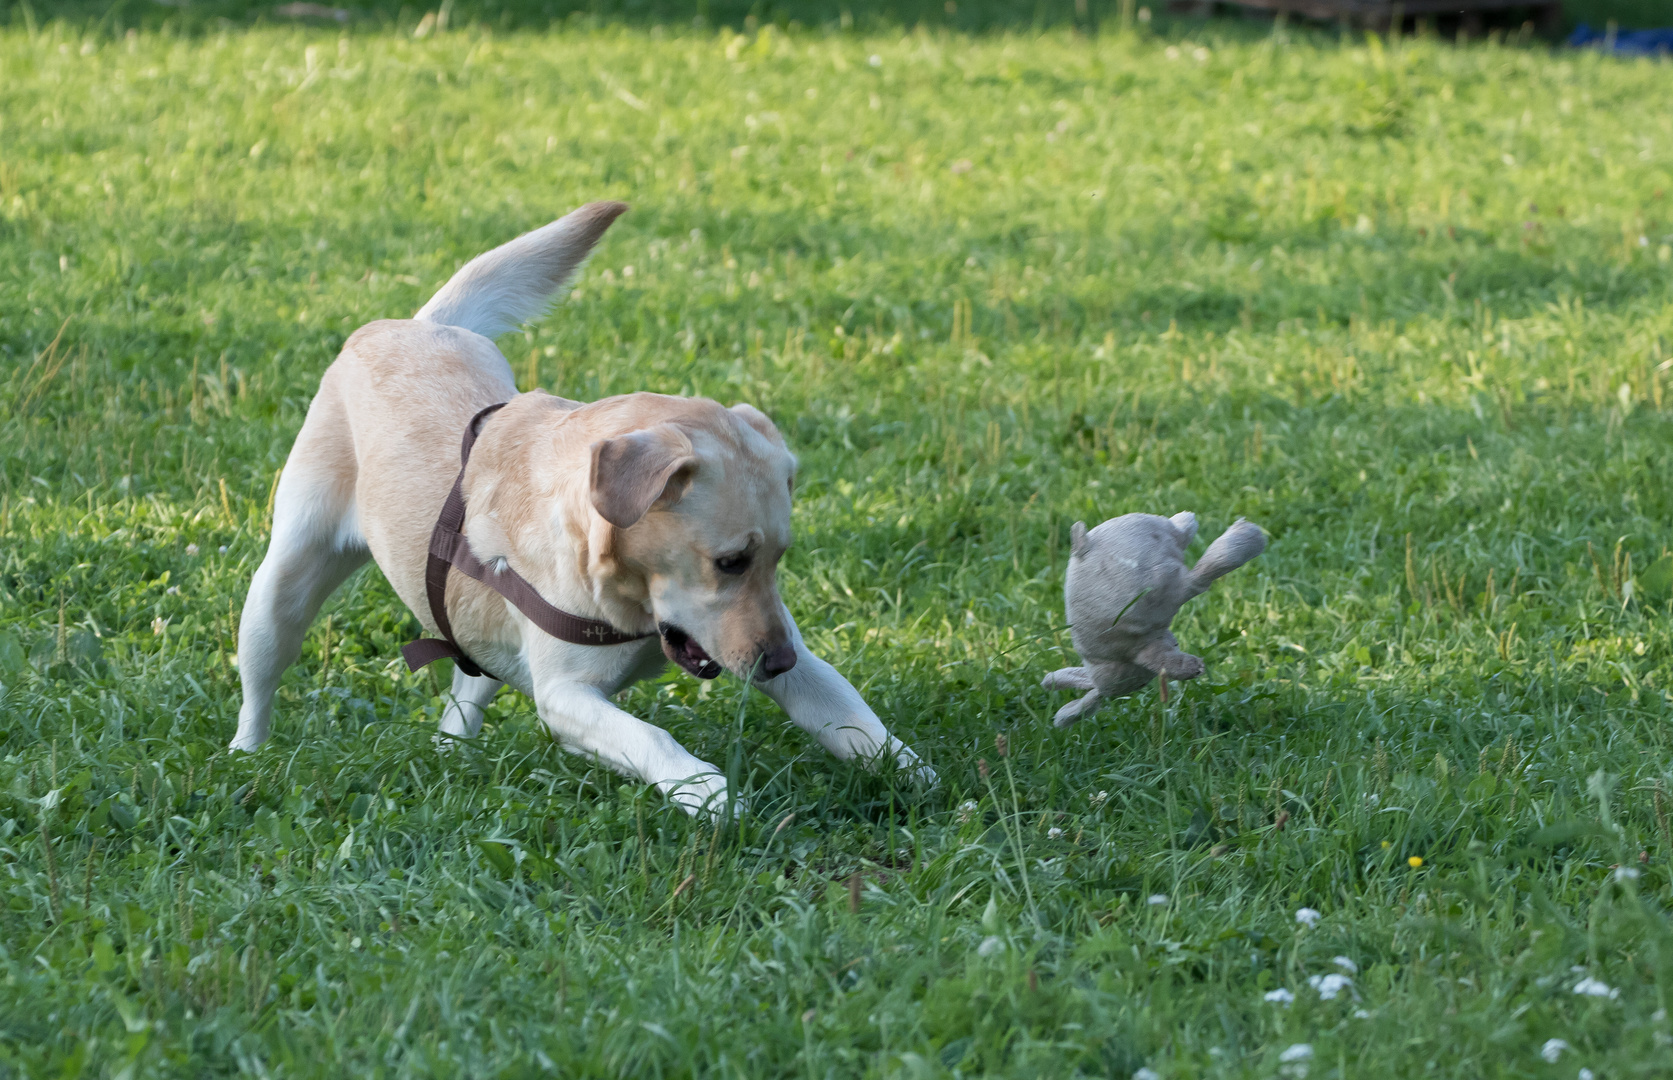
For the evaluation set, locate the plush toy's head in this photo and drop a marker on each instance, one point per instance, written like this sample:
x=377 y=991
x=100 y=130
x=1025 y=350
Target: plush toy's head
x=1127 y=579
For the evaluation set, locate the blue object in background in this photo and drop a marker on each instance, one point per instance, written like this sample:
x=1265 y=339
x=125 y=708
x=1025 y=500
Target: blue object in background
x=1627 y=42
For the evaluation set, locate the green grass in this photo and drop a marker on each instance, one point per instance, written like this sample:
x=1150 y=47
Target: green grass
x=1407 y=306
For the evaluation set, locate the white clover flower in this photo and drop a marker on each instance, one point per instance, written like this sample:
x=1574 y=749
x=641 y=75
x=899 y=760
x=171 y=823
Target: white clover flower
x=1279 y=996
x=1157 y=899
x=989 y=946
x=192 y=550
x=1298 y=1052
x=967 y=809
x=1553 y=1049
x=1345 y=964
x=1307 y=916
x=1098 y=799
x=1361 y=1014
x=1587 y=1074
x=1590 y=987
x=158 y=624
x=1329 y=986
x=222 y=549
x=1626 y=873
x=1147 y=1073
x=1054 y=833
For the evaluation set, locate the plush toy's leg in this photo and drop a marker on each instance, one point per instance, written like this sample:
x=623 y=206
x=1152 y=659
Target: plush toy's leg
x=1234 y=547
x=1164 y=657
x=1069 y=678
x=1071 y=713
x=1120 y=679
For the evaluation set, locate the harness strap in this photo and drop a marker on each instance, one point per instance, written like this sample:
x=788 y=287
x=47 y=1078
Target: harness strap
x=449 y=548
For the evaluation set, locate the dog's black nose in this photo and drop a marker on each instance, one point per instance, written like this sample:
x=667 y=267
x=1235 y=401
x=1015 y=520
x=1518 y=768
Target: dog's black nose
x=776 y=662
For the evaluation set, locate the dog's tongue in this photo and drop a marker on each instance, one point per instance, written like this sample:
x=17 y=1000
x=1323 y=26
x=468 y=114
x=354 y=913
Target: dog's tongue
x=681 y=648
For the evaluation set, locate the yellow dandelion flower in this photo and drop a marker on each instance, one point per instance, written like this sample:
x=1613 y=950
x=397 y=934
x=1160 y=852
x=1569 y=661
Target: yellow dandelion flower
x=1386 y=845
x=1415 y=861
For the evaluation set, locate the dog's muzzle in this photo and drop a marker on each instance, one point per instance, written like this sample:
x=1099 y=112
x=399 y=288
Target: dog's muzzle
x=682 y=648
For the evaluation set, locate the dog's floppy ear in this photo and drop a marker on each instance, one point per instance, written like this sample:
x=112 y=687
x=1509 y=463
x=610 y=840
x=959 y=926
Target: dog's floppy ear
x=632 y=473
x=758 y=420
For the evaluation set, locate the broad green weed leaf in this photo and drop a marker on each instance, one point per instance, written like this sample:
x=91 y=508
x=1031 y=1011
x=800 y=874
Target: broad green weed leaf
x=1656 y=582
x=133 y=1017
x=1483 y=787
x=499 y=857
x=12 y=656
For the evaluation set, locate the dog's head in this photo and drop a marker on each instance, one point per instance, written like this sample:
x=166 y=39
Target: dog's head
x=701 y=505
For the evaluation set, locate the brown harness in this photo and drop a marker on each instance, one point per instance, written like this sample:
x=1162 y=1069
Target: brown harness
x=450 y=548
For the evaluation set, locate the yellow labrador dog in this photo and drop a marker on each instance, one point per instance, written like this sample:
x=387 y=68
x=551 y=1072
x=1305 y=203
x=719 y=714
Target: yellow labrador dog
x=659 y=516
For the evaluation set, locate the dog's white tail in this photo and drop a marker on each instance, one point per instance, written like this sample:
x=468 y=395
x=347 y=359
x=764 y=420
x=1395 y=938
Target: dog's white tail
x=506 y=287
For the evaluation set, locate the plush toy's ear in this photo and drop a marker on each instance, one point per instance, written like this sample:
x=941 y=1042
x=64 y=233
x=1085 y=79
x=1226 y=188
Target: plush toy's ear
x=1077 y=540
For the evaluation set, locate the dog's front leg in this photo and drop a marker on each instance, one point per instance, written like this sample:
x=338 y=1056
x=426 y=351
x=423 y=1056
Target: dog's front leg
x=824 y=704
x=583 y=721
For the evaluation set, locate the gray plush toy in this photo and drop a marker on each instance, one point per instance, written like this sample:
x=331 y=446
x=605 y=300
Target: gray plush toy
x=1127 y=578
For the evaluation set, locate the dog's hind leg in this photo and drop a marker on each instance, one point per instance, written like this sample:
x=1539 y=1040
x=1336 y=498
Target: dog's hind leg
x=316 y=545
x=462 y=718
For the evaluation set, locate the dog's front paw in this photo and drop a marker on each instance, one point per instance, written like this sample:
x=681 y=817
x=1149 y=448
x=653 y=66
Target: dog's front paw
x=921 y=774
x=706 y=795
x=908 y=764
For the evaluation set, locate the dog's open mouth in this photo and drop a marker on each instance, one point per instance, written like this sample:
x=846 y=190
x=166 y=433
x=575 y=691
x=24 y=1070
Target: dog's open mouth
x=681 y=648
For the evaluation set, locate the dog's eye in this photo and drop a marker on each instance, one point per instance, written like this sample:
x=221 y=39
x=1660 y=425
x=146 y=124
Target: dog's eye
x=733 y=564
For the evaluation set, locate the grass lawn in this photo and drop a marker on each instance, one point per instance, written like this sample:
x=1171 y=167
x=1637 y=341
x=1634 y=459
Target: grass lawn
x=1405 y=305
